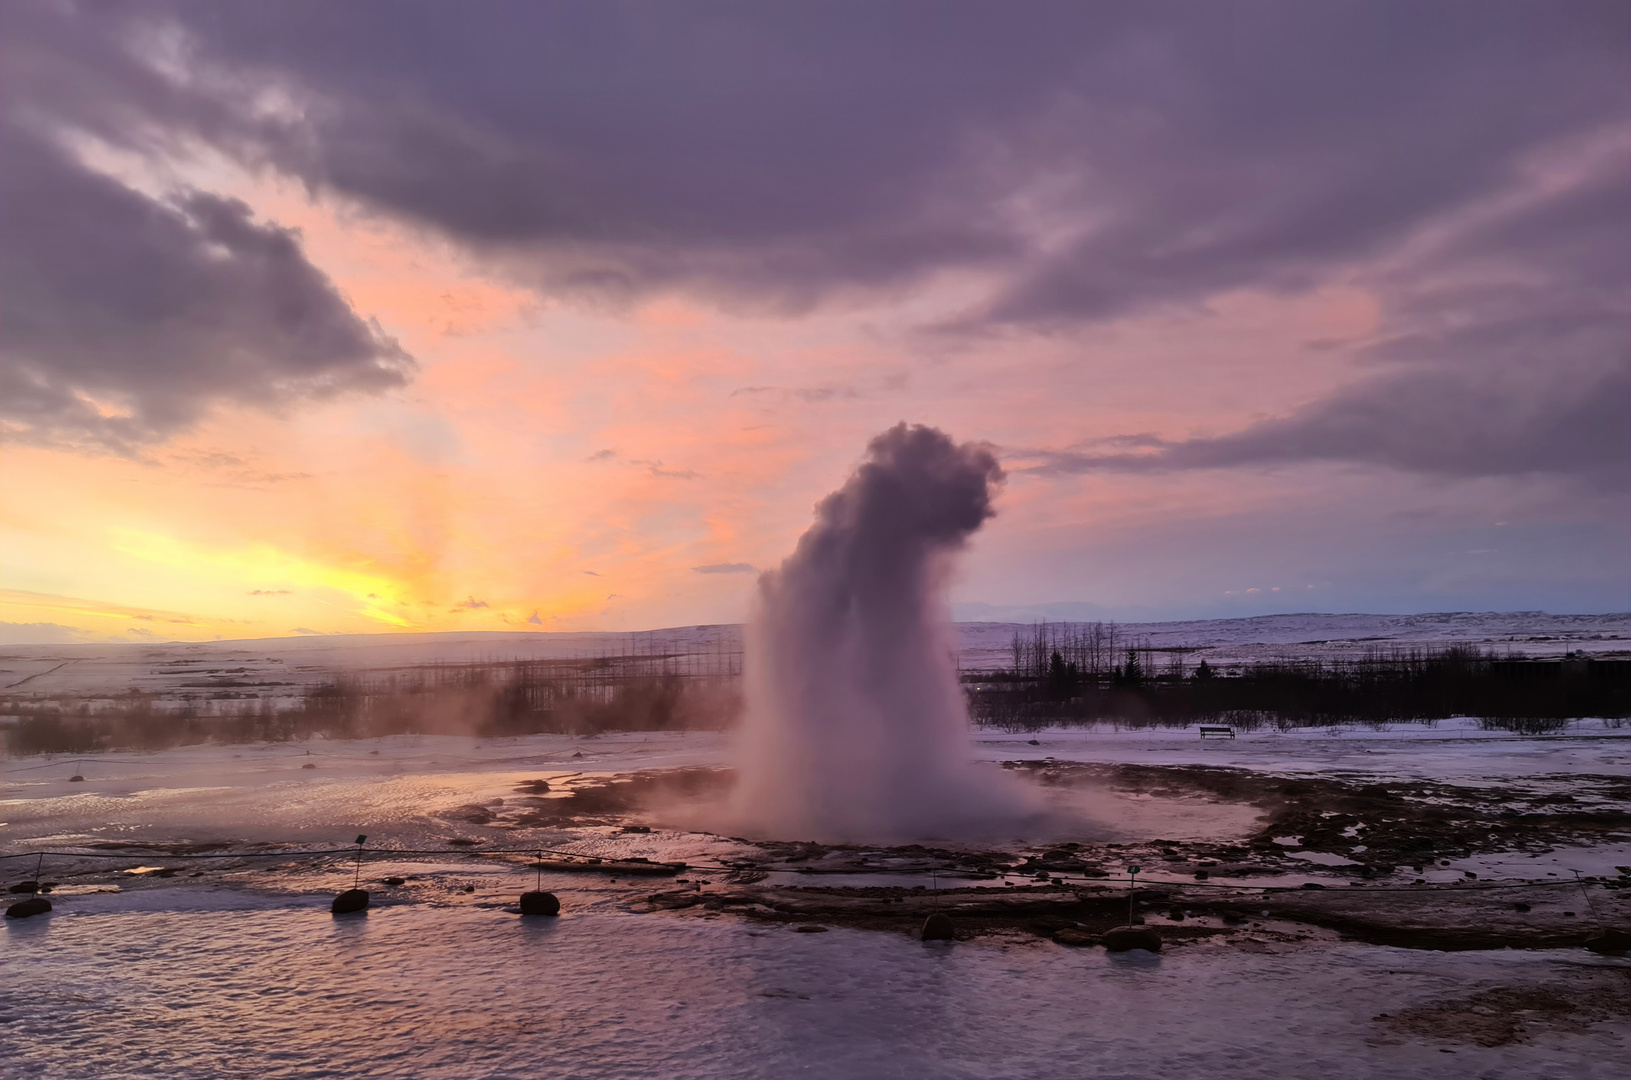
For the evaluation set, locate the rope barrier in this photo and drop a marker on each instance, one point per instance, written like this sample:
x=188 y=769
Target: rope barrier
x=376 y=853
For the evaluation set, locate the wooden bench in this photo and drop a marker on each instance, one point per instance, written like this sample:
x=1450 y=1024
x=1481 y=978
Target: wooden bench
x=1217 y=731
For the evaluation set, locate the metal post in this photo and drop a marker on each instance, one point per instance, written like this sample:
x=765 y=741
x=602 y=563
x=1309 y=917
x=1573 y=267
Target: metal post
x=1132 y=883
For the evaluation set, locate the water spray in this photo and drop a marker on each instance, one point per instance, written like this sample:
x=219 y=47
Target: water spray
x=857 y=726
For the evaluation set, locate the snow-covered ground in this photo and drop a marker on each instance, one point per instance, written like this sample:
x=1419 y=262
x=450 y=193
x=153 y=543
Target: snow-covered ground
x=1454 y=750
x=399 y=788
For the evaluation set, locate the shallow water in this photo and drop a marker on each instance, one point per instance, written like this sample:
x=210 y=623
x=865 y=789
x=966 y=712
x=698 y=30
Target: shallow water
x=183 y=980
x=194 y=983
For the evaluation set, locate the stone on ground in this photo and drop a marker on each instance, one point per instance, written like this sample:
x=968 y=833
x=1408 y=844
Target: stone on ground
x=540 y=903
x=1124 y=938
x=349 y=901
x=39 y=905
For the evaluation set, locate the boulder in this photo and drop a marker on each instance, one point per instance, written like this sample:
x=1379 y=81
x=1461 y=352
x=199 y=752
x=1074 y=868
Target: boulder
x=1124 y=938
x=809 y=928
x=349 y=901
x=540 y=903
x=395 y=881
x=1610 y=942
x=25 y=887
x=937 y=927
x=39 y=905
x=1075 y=938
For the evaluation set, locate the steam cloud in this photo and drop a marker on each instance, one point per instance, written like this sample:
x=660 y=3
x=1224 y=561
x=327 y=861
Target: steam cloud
x=856 y=725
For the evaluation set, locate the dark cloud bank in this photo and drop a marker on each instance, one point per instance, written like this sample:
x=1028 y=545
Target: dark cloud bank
x=1466 y=161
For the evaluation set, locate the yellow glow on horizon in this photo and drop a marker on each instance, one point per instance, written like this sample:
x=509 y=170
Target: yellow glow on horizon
x=372 y=593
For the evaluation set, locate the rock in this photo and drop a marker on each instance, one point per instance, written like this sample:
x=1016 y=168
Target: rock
x=1520 y=908
x=349 y=901
x=937 y=927
x=1312 y=885
x=1075 y=938
x=76 y=779
x=809 y=929
x=1125 y=938
x=308 y=765
x=1176 y=915
x=1032 y=742
x=1610 y=942
x=25 y=887
x=1202 y=875
x=395 y=881
x=22 y=909
x=540 y=903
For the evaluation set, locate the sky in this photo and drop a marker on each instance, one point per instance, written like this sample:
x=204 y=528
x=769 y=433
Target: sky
x=341 y=317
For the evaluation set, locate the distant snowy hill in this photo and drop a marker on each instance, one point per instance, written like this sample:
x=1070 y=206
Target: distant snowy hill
x=1310 y=635
x=264 y=665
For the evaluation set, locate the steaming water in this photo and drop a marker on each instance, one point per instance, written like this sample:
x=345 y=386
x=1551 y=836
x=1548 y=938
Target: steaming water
x=181 y=980
x=186 y=984
x=856 y=725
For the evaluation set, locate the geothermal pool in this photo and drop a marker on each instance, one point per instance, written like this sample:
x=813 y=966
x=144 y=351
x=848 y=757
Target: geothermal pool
x=236 y=968
x=221 y=983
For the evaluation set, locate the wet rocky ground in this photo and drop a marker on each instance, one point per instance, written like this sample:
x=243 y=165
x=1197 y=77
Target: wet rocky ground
x=1330 y=857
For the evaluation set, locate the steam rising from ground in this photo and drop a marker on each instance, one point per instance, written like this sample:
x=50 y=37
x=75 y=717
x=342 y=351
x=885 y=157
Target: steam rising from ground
x=856 y=726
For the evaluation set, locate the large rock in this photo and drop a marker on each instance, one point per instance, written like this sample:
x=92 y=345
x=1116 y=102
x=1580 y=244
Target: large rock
x=25 y=887
x=349 y=901
x=1125 y=938
x=937 y=927
x=1610 y=942
x=39 y=905
x=540 y=903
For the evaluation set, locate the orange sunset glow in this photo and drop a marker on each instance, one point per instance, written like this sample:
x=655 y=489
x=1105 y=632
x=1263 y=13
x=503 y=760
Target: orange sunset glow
x=575 y=432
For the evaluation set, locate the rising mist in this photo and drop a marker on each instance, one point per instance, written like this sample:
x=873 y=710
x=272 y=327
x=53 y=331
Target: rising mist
x=856 y=726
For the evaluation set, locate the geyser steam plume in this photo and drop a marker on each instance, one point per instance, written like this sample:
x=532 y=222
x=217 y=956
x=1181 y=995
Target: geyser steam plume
x=856 y=725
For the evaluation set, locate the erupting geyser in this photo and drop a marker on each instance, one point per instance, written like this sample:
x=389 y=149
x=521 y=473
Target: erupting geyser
x=856 y=725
